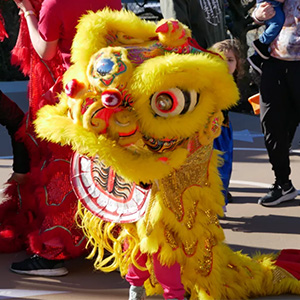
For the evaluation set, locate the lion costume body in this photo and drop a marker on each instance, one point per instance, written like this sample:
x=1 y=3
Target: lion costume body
x=141 y=107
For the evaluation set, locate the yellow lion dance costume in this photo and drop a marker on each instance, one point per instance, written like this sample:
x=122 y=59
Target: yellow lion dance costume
x=141 y=107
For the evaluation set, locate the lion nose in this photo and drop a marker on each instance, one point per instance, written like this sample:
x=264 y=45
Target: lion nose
x=111 y=98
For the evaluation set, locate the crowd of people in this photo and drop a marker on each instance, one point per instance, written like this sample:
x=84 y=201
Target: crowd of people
x=51 y=29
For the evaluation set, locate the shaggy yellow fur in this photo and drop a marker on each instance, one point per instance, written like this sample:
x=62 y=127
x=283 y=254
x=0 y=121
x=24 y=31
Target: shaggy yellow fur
x=99 y=31
x=181 y=221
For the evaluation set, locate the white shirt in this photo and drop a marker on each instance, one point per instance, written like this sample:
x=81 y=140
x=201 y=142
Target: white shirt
x=287 y=44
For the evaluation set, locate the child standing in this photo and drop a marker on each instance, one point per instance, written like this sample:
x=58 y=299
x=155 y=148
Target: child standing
x=231 y=48
x=273 y=27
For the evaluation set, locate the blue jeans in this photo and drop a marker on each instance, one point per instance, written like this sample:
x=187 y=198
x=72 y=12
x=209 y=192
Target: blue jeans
x=224 y=143
x=273 y=25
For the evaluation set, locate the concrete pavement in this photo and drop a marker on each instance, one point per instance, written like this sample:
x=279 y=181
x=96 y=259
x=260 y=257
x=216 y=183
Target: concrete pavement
x=248 y=226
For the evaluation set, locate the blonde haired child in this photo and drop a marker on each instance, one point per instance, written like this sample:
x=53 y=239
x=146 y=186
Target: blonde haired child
x=231 y=49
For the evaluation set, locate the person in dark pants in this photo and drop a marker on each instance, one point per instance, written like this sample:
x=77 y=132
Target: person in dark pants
x=206 y=18
x=280 y=96
x=11 y=116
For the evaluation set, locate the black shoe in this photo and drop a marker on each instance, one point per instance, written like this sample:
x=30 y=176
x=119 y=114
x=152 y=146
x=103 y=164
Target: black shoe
x=255 y=62
x=278 y=194
x=261 y=49
x=36 y=265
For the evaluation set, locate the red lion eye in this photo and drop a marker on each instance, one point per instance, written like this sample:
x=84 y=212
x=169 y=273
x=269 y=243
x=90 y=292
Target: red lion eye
x=164 y=102
x=173 y=102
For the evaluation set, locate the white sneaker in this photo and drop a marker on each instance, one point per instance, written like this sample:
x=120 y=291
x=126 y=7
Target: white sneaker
x=278 y=194
x=137 y=293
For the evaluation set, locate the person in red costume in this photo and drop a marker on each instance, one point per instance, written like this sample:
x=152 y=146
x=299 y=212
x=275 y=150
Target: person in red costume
x=45 y=206
x=56 y=26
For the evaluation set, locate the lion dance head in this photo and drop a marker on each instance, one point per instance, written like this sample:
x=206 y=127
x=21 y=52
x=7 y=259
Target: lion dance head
x=141 y=101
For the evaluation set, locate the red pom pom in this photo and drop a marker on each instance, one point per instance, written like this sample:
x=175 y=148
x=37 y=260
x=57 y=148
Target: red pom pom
x=73 y=88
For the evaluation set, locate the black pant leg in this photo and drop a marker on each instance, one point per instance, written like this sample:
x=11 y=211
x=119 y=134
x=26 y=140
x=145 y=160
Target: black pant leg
x=275 y=116
x=11 y=117
x=293 y=77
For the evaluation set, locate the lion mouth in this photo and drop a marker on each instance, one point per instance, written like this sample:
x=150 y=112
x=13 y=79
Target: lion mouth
x=162 y=145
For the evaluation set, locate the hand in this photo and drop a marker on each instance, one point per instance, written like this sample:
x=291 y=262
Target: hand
x=264 y=11
x=24 y=5
x=18 y=178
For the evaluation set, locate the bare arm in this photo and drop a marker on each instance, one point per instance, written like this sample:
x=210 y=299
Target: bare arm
x=263 y=12
x=46 y=50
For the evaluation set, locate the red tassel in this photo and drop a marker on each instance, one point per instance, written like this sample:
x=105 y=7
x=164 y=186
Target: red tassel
x=3 y=33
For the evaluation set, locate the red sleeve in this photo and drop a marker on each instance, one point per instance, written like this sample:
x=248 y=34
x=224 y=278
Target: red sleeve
x=115 y=4
x=49 y=22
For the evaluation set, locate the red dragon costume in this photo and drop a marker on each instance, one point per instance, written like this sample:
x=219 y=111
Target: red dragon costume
x=39 y=215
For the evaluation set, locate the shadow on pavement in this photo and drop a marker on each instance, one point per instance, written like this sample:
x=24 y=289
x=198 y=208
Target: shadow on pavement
x=265 y=224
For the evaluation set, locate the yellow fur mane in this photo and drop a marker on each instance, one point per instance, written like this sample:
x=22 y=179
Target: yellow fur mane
x=161 y=134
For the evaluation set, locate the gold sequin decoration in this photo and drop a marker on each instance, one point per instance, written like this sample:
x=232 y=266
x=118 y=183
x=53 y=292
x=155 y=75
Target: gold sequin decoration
x=279 y=274
x=169 y=235
x=205 y=265
x=213 y=218
x=147 y=217
x=193 y=172
x=189 y=248
x=191 y=216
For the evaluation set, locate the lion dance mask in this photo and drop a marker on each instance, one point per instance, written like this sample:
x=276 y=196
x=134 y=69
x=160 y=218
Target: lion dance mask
x=141 y=107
